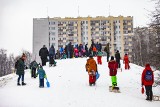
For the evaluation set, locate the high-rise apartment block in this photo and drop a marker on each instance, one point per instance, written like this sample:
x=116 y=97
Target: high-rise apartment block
x=117 y=31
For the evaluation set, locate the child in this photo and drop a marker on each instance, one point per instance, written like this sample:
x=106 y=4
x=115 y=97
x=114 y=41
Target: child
x=76 y=52
x=42 y=75
x=126 y=61
x=148 y=80
x=113 y=65
x=33 y=67
x=91 y=67
x=99 y=57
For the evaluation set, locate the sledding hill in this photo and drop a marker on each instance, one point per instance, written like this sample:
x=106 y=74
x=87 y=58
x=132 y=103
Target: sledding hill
x=69 y=88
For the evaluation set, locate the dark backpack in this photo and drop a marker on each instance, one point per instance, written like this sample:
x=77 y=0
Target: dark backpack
x=148 y=75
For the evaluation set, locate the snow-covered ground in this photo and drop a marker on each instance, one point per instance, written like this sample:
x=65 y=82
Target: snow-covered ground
x=70 y=88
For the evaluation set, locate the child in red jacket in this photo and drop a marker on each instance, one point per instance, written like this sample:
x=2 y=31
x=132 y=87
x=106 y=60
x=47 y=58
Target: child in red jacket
x=126 y=61
x=113 y=66
x=148 y=80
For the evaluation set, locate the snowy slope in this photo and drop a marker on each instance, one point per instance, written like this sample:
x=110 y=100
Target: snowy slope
x=69 y=88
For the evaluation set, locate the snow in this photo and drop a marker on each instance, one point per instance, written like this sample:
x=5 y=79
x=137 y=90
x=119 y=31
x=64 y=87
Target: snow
x=70 y=88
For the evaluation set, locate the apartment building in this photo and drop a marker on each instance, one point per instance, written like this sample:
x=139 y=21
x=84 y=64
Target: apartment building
x=117 y=31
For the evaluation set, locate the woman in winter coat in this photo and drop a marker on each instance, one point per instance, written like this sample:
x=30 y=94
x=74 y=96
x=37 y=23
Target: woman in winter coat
x=147 y=80
x=20 y=69
x=91 y=68
x=113 y=66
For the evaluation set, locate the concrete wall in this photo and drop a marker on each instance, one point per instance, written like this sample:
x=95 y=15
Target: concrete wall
x=40 y=36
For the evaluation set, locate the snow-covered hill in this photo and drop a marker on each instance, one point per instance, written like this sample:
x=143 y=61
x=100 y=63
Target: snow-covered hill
x=70 y=88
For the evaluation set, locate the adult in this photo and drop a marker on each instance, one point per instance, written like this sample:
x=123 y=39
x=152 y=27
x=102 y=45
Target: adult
x=20 y=69
x=43 y=53
x=107 y=50
x=86 y=49
x=51 y=55
x=118 y=57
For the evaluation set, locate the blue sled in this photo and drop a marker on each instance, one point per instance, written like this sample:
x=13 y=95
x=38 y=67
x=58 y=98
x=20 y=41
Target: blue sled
x=47 y=83
x=97 y=75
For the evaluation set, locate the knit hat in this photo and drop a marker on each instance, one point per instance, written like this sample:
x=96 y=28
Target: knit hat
x=147 y=65
x=112 y=57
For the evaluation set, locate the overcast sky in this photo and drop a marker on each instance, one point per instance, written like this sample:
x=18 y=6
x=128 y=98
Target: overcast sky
x=16 y=16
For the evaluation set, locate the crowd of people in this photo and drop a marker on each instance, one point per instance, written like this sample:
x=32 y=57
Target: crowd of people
x=91 y=66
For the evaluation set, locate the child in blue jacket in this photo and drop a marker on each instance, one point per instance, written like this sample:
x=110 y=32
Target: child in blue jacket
x=42 y=75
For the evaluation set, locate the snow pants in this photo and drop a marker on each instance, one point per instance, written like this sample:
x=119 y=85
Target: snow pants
x=127 y=66
x=149 y=92
x=99 y=59
x=41 y=83
x=33 y=72
x=114 y=80
x=92 y=79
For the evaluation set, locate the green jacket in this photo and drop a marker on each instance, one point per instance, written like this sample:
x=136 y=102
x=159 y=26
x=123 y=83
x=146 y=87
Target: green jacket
x=20 y=67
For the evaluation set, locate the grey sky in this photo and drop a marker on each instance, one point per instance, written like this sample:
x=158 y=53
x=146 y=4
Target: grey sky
x=16 y=16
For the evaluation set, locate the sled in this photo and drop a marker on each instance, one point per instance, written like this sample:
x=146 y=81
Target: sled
x=156 y=98
x=47 y=83
x=97 y=75
x=114 y=89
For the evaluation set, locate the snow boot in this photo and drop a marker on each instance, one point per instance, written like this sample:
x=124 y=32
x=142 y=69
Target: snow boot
x=23 y=83
x=18 y=84
x=147 y=98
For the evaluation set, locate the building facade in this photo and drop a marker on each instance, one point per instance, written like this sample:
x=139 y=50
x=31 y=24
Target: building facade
x=117 y=31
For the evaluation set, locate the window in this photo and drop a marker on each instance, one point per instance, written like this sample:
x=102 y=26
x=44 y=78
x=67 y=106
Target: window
x=53 y=33
x=52 y=23
x=53 y=28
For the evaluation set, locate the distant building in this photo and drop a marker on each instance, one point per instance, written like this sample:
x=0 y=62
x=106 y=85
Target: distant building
x=117 y=31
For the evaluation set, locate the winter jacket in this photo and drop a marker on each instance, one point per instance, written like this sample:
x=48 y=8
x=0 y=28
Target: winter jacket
x=52 y=51
x=75 y=50
x=20 y=67
x=144 y=82
x=43 y=52
x=33 y=64
x=99 y=53
x=113 y=65
x=126 y=59
x=41 y=73
x=61 y=50
x=91 y=65
x=94 y=49
x=117 y=56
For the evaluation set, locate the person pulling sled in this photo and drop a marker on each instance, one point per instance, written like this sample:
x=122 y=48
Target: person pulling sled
x=91 y=68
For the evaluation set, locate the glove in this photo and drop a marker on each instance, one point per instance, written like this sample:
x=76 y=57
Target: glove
x=45 y=76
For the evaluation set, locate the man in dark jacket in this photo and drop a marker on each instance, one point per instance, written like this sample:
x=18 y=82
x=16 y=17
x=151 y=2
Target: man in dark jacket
x=118 y=57
x=86 y=49
x=20 y=69
x=43 y=53
x=52 y=55
x=107 y=50
x=147 y=80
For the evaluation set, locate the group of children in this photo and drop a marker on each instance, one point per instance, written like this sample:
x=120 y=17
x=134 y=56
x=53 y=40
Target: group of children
x=40 y=71
x=147 y=78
